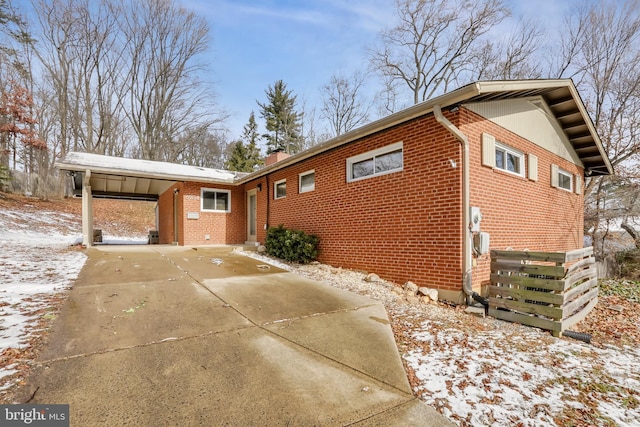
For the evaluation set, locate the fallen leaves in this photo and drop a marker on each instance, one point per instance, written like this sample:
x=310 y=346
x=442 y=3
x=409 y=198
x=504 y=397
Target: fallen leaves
x=612 y=327
x=482 y=371
x=20 y=360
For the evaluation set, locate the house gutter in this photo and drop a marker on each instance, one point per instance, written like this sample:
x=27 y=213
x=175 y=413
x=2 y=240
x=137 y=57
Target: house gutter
x=467 y=284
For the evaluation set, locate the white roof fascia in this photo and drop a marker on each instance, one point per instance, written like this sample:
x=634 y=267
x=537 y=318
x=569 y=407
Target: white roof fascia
x=456 y=96
x=418 y=110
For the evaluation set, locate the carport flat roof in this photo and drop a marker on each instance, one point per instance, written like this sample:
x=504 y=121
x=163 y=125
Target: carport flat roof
x=119 y=177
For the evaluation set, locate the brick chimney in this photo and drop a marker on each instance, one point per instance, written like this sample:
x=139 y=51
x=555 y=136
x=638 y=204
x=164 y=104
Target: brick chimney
x=275 y=157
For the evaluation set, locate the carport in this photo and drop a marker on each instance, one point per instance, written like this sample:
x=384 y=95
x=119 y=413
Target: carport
x=93 y=175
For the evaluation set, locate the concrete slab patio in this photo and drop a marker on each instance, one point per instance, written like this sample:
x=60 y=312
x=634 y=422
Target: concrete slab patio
x=204 y=336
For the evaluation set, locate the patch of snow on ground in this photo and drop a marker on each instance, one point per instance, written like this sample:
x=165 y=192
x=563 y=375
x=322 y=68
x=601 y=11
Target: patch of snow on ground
x=115 y=240
x=486 y=372
x=35 y=262
x=499 y=378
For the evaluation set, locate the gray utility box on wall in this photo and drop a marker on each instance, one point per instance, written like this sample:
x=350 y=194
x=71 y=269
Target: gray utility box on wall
x=481 y=243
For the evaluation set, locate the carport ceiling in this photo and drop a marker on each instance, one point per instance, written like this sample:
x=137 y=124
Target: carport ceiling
x=121 y=187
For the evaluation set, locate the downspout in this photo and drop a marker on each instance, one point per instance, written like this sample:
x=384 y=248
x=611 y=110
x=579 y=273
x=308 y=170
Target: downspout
x=467 y=283
x=268 y=201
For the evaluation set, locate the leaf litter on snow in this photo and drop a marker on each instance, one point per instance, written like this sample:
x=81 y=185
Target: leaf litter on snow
x=492 y=373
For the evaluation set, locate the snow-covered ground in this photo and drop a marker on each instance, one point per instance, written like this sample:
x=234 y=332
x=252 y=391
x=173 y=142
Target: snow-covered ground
x=476 y=371
x=523 y=376
x=36 y=262
x=486 y=372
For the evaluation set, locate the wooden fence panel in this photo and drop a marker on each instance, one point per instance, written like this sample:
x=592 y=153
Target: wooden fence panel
x=548 y=290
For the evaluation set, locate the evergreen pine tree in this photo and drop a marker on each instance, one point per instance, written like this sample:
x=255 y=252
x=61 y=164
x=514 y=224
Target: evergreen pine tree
x=281 y=119
x=237 y=160
x=251 y=138
x=245 y=155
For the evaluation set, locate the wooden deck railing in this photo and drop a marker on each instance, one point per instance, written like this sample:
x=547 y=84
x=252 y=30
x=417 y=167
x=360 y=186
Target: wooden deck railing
x=548 y=290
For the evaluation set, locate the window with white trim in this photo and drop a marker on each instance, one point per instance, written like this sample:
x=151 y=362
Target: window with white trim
x=561 y=178
x=382 y=161
x=509 y=160
x=214 y=200
x=307 y=181
x=280 y=189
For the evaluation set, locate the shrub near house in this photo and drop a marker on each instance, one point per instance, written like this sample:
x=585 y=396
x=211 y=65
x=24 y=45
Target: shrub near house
x=292 y=245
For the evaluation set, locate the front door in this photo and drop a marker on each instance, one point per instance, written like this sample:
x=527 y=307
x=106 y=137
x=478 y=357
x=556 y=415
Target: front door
x=252 y=220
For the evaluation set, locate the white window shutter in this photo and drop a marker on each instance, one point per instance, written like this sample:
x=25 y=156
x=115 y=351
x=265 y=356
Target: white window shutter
x=488 y=150
x=554 y=175
x=578 y=185
x=532 y=167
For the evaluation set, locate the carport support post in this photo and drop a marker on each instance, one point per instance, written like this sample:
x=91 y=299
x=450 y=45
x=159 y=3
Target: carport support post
x=87 y=210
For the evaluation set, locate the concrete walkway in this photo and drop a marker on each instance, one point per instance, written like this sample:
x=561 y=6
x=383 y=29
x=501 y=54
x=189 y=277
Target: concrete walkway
x=202 y=336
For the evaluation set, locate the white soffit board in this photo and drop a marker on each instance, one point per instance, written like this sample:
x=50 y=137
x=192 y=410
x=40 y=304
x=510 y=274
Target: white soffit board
x=531 y=119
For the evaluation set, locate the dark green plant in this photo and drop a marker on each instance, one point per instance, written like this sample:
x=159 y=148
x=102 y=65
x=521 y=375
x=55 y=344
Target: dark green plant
x=4 y=176
x=292 y=245
x=282 y=121
x=245 y=155
x=627 y=289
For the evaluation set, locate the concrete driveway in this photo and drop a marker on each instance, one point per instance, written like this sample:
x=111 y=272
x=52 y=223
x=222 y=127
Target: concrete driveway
x=202 y=336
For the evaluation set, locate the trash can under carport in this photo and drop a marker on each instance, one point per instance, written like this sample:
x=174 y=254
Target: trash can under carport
x=154 y=238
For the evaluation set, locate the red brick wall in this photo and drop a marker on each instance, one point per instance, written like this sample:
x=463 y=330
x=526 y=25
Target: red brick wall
x=222 y=228
x=519 y=213
x=404 y=226
x=165 y=215
x=275 y=158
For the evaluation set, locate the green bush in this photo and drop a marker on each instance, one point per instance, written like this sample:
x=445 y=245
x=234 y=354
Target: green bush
x=292 y=245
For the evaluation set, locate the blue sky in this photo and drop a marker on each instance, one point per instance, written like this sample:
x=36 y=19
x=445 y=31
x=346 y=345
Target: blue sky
x=255 y=43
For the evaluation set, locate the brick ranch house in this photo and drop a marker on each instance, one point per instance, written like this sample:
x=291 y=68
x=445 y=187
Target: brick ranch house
x=419 y=195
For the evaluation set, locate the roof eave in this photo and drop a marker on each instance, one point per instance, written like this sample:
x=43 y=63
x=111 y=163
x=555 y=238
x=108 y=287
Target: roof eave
x=454 y=97
x=485 y=87
x=415 y=111
x=592 y=129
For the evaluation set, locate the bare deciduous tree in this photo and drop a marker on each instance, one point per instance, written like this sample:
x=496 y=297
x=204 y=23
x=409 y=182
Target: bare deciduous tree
x=600 y=51
x=162 y=42
x=511 y=58
x=312 y=131
x=124 y=76
x=200 y=146
x=429 y=50
x=343 y=104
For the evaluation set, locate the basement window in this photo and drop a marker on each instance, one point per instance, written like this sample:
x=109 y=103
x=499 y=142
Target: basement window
x=213 y=200
x=382 y=161
x=280 y=189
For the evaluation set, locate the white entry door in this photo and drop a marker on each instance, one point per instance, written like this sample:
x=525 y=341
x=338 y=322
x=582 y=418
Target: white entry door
x=252 y=220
